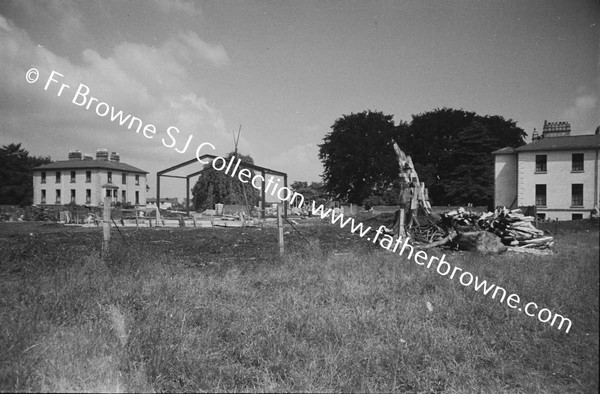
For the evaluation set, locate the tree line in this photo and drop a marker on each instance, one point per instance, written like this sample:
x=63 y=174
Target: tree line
x=16 y=184
x=451 y=151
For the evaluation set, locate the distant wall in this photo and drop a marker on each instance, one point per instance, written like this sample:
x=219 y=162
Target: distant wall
x=235 y=209
x=436 y=209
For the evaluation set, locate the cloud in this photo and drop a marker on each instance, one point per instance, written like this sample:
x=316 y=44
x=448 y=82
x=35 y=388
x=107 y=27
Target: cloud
x=66 y=18
x=190 y=41
x=151 y=83
x=4 y=24
x=583 y=113
x=178 y=6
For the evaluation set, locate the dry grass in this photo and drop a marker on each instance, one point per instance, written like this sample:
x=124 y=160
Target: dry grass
x=313 y=321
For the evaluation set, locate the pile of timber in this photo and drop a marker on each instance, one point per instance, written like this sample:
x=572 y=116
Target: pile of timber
x=514 y=229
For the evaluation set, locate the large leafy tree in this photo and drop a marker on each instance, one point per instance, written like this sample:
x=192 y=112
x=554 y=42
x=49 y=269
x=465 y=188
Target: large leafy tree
x=451 y=150
x=16 y=184
x=358 y=156
x=215 y=187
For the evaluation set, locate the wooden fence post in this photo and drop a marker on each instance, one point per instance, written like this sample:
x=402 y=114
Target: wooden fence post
x=106 y=227
x=157 y=215
x=280 y=229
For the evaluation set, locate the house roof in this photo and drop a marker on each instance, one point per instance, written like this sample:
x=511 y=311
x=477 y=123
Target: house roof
x=89 y=164
x=504 y=151
x=572 y=142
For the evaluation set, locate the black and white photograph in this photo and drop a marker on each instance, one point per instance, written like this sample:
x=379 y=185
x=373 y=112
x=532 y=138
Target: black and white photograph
x=349 y=196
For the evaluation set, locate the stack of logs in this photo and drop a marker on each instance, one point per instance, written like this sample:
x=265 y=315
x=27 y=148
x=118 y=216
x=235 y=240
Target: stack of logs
x=461 y=227
x=515 y=229
x=491 y=232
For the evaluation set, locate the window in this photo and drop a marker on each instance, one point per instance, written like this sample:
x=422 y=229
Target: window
x=43 y=200
x=108 y=193
x=577 y=216
x=109 y=177
x=137 y=197
x=123 y=196
x=57 y=196
x=137 y=179
x=577 y=194
x=124 y=178
x=88 y=196
x=577 y=165
x=73 y=196
x=540 y=163
x=540 y=195
x=57 y=176
x=72 y=176
x=88 y=177
x=43 y=176
x=541 y=216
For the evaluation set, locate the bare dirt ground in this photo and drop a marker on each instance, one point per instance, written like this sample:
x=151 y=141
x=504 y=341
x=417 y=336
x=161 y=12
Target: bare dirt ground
x=207 y=246
x=192 y=246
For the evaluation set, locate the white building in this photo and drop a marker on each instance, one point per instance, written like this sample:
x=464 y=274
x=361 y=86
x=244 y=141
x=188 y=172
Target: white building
x=83 y=180
x=557 y=172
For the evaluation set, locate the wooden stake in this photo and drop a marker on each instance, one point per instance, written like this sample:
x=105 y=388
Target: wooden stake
x=106 y=227
x=401 y=219
x=280 y=229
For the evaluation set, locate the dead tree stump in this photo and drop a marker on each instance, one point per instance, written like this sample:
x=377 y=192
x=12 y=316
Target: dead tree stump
x=480 y=241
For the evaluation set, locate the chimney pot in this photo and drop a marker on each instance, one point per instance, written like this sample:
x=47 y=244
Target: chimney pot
x=102 y=154
x=74 y=155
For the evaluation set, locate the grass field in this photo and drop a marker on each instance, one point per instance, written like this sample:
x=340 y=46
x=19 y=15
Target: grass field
x=159 y=314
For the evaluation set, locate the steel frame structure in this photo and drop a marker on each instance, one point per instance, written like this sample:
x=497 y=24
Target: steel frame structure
x=263 y=171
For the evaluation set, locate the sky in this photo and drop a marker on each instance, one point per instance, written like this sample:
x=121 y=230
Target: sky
x=282 y=70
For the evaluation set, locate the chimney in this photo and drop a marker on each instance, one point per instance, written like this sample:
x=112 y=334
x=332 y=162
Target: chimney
x=556 y=129
x=114 y=156
x=102 y=154
x=74 y=155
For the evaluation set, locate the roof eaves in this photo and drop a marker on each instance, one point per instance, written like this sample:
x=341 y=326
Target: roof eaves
x=504 y=151
x=91 y=164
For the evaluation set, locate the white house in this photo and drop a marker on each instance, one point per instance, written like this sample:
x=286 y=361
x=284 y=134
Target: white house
x=84 y=180
x=557 y=172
